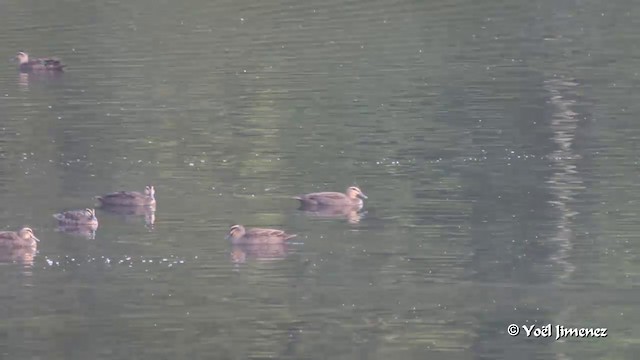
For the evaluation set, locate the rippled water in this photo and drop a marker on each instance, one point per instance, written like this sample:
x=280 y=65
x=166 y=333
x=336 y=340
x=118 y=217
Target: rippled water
x=495 y=140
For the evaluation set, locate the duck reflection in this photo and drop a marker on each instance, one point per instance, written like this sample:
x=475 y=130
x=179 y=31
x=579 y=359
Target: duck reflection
x=25 y=78
x=24 y=256
x=242 y=253
x=351 y=214
x=23 y=81
x=132 y=214
x=83 y=231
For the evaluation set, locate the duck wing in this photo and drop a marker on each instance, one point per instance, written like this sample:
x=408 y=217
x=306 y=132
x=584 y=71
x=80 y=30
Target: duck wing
x=324 y=198
x=7 y=235
x=48 y=63
x=68 y=215
x=74 y=215
x=122 y=195
x=268 y=233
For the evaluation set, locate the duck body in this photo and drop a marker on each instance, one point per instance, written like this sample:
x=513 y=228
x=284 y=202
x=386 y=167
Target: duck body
x=28 y=64
x=239 y=235
x=352 y=198
x=86 y=217
x=23 y=238
x=129 y=198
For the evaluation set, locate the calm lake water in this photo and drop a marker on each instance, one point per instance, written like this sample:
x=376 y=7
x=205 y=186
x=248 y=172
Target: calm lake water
x=496 y=141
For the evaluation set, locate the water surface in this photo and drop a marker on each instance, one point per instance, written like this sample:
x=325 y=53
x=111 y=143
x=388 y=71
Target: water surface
x=495 y=140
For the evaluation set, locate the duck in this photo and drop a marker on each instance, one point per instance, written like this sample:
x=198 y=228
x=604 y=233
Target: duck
x=239 y=235
x=23 y=238
x=129 y=198
x=86 y=217
x=44 y=64
x=352 y=197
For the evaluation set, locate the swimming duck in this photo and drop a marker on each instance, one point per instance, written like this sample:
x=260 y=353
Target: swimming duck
x=15 y=239
x=86 y=217
x=351 y=198
x=44 y=64
x=239 y=235
x=129 y=198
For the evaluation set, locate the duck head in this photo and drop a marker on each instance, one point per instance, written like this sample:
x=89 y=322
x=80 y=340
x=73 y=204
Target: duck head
x=23 y=57
x=27 y=234
x=235 y=232
x=354 y=192
x=150 y=191
x=90 y=213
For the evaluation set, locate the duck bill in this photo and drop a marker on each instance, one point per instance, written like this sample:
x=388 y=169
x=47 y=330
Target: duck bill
x=227 y=237
x=363 y=196
x=35 y=238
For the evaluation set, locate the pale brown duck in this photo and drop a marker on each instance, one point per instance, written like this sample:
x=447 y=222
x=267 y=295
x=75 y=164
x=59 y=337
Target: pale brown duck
x=129 y=198
x=351 y=198
x=239 y=235
x=44 y=64
x=23 y=238
x=86 y=217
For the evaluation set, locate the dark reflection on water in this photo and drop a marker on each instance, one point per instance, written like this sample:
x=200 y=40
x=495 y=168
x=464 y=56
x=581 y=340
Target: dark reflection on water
x=261 y=252
x=495 y=142
x=85 y=231
x=353 y=216
x=133 y=214
x=19 y=255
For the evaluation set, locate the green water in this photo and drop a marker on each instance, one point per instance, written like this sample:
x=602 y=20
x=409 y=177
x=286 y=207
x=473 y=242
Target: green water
x=496 y=142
